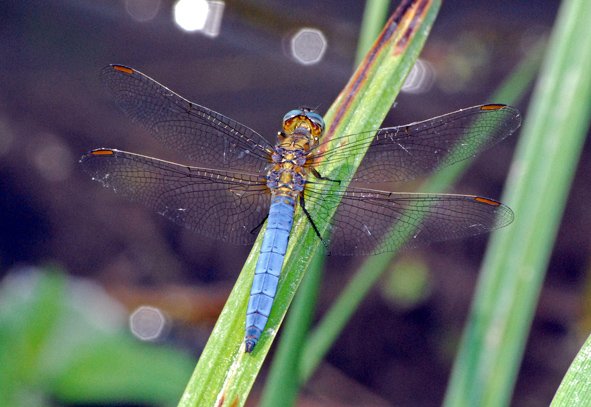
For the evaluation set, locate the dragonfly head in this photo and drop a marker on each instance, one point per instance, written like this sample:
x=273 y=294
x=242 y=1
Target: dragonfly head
x=304 y=122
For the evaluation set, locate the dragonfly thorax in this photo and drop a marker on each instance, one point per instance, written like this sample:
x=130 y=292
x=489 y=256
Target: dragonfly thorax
x=286 y=182
x=301 y=132
x=289 y=157
x=287 y=174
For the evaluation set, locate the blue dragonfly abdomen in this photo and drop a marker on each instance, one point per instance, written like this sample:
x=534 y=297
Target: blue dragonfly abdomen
x=268 y=269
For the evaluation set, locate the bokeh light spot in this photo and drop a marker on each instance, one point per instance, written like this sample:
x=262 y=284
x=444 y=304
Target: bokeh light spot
x=308 y=46
x=147 y=323
x=199 y=15
x=213 y=22
x=420 y=79
x=190 y=15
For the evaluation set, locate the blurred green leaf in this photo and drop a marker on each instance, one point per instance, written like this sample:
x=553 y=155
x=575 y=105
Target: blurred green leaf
x=407 y=283
x=117 y=368
x=551 y=140
x=66 y=339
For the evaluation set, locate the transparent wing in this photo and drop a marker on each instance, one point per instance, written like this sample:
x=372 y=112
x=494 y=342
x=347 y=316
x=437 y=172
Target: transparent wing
x=371 y=222
x=220 y=204
x=206 y=137
x=418 y=149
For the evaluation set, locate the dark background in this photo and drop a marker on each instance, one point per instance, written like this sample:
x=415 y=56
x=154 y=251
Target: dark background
x=52 y=110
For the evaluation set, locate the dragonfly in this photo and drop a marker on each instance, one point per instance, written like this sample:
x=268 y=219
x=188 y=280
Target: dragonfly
x=242 y=180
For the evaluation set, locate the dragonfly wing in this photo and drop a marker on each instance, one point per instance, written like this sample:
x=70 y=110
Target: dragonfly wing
x=418 y=149
x=204 y=136
x=220 y=204
x=371 y=222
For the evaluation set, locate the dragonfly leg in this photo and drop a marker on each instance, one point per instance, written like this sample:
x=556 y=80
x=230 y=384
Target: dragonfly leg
x=303 y=205
x=317 y=175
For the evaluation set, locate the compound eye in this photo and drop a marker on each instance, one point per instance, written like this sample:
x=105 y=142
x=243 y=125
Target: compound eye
x=291 y=114
x=316 y=119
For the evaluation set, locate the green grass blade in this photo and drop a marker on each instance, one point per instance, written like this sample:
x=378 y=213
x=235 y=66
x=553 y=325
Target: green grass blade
x=291 y=370
x=398 y=77
x=515 y=265
x=331 y=325
x=225 y=374
x=374 y=17
x=575 y=389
